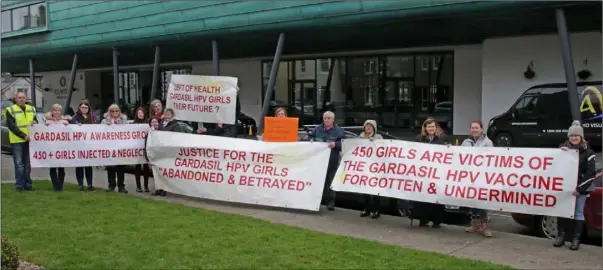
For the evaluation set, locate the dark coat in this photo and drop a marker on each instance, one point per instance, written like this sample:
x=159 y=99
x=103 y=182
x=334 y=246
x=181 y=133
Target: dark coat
x=441 y=140
x=320 y=134
x=587 y=167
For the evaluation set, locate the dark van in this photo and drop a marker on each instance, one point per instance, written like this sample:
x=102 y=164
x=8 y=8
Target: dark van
x=541 y=116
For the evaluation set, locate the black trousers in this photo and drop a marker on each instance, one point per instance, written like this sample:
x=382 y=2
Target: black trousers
x=426 y=212
x=372 y=203
x=113 y=173
x=327 y=193
x=145 y=171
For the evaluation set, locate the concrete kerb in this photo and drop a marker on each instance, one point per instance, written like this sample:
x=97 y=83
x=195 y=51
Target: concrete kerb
x=515 y=250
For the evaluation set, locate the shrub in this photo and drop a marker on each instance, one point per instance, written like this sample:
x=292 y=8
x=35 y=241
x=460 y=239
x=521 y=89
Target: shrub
x=10 y=255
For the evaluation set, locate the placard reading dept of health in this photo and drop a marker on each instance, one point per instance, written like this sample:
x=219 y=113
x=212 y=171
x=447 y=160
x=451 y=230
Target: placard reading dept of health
x=207 y=99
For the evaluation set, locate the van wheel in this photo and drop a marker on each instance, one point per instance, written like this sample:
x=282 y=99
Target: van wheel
x=503 y=139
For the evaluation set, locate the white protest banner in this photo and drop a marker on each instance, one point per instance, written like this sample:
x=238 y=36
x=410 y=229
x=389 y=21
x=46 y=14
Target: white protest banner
x=521 y=180
x=289 y=175
x=208 y=99
x=87 y=145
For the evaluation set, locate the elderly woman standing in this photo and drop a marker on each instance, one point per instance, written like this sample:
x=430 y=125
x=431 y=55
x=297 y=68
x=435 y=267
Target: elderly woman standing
x=156 y=109
x=371 y=202
x=115 y=117
x=55 y=117
x=479 y=217
x=587 y=167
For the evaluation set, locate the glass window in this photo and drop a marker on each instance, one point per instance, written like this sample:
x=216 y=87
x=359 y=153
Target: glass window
x=526 y=105
x=400 y=66
x=6 y=21
x=38 y=15
x=324 y=65
x=424 y=63
x=21 y=18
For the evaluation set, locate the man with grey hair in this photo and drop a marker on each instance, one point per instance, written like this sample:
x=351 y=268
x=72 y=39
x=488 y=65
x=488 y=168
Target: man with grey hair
x=19 y=117
x=329 y=132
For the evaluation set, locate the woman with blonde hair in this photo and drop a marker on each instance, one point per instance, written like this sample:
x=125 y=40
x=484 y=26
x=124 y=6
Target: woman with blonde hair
x=431 y=133
x=280 y=112
x=115 y=117
x=156 y=109
x=55 y=117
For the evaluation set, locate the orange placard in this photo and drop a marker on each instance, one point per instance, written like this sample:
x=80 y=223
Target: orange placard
x=280 y=129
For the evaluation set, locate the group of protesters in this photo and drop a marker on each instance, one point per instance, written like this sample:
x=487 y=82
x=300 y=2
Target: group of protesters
x=21 y=116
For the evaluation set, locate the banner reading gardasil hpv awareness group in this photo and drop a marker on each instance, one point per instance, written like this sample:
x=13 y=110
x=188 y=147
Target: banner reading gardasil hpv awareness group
x=289 y=175
x=521 y=180
x=86 y=145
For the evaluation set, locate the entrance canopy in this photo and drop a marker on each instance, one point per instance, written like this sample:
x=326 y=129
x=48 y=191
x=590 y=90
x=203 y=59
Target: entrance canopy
x=466 y=23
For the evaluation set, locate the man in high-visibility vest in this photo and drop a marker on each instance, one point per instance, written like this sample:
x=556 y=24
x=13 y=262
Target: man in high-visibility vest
x=19 y=117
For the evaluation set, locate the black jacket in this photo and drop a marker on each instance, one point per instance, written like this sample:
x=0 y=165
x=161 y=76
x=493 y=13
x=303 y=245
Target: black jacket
x=587 y=167
x=442 y=140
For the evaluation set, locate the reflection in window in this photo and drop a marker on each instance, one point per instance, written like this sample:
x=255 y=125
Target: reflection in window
x=20 y=18
x=527 y=105
x=38 y=15
x=26 y=17
x=6 y=21
x=400 y=66
x=324 y=65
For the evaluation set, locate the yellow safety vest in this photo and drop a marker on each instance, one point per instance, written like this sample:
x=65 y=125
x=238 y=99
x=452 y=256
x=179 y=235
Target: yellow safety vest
x=22 y=119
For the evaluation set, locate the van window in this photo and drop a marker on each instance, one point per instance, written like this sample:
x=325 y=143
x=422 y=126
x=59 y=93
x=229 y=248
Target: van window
x=526 y=106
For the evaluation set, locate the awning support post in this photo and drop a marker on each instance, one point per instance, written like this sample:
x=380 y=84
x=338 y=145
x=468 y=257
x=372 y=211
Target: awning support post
x=155 y=82
x=568 y=64
x=333 y=61
x=71 y=84
x=215 y=58
x=115 y=77
x=32 y=80
x=273 y=73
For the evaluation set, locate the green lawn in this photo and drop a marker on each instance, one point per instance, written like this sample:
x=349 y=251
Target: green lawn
x=100 y=230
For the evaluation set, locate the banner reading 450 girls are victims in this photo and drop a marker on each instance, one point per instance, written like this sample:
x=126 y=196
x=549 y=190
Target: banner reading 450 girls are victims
x=86 y=145
x=289 y=175
x=521 y=180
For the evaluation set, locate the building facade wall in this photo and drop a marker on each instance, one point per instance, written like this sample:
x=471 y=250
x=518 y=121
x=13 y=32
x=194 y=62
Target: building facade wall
x=487 y=78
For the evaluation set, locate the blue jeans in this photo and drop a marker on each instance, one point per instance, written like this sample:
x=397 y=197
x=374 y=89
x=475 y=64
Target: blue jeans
x=579 y=211
x=22 y=165
x=57 y=177
x=79 y=176
x=479 y=214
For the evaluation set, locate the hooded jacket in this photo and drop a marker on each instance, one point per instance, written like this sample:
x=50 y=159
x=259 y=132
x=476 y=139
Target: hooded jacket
x=587 y=167
x=64 y=119
x=374 y=135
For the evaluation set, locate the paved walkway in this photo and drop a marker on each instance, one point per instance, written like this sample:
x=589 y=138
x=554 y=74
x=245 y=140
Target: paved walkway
x=515 y=250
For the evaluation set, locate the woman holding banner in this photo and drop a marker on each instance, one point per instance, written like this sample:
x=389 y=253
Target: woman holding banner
x=140 y=117
x=479 y=217
x=55 y=117
x=371 y=202
x=430 y=133
x=84 y=116
x=115 y=117
x=586 y=174
x=155 y=110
